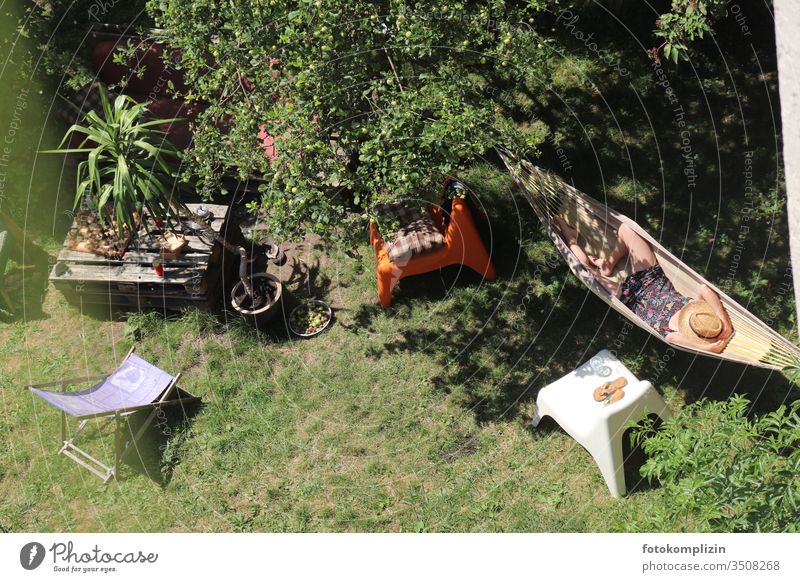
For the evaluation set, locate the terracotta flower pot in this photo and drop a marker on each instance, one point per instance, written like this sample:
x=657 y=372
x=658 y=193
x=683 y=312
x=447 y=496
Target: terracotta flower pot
x=262 y=315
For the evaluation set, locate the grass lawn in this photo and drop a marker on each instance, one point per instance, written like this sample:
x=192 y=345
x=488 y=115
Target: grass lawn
x=413 y=418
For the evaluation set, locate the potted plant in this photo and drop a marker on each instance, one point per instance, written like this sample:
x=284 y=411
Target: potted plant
x=131 y=168
x=262 y=301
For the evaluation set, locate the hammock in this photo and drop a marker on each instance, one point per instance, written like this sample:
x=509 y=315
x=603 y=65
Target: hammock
x=753 y=343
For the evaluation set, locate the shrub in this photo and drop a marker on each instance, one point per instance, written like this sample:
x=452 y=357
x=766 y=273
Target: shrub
x=724 y=472
x=409 y=92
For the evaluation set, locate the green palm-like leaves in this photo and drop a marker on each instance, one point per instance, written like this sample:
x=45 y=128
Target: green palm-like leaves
x=130 y=165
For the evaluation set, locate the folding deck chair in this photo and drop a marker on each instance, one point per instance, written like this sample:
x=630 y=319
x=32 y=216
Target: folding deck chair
x=135 y=386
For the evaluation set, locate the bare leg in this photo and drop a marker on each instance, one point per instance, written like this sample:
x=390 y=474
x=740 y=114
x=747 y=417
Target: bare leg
x=634 y=246
x=571 y=238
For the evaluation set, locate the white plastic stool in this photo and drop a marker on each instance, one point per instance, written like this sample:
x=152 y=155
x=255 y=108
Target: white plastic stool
x=596 y=425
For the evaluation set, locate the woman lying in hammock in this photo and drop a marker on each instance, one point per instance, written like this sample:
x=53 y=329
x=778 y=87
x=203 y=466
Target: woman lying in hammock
x=702 y=324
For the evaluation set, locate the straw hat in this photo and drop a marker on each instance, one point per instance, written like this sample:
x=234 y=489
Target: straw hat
x=697 y=320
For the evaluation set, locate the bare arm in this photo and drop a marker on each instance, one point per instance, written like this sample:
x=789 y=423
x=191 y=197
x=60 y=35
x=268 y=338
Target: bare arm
x=710 y=296
x=681 y=340
x=591 y=263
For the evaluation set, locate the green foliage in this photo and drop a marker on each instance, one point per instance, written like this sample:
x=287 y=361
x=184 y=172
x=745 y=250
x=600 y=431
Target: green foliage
x=60 y=28
x=367 y=100
x=687 y=21
x=724 y=472
x=129 y=165
x=792 y=371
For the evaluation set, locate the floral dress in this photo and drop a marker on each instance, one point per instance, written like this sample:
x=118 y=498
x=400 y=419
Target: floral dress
x=651 y=296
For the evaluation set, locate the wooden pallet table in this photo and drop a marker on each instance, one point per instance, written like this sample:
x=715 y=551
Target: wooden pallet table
x=197 y=277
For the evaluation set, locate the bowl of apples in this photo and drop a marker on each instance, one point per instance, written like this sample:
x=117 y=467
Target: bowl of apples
x=310 y=318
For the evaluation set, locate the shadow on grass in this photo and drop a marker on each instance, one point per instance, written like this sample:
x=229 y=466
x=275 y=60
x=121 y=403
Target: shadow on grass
x=720 y=207
x=498 y=343
x=25 y=288
x=158 y=453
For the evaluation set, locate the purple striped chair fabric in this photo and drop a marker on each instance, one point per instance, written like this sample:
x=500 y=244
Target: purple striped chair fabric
x=135 y=383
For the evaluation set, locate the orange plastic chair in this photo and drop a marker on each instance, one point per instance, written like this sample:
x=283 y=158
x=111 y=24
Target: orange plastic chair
x=462 y=246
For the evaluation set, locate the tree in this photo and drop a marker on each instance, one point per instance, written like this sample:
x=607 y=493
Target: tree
x=366 y=100
x=687 y=21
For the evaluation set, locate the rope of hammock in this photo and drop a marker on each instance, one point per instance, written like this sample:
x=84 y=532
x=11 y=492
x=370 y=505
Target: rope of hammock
x=754 y=343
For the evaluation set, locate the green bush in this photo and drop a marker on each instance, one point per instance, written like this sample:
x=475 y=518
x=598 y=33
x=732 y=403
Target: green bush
x=408 y=91
x=724 y=472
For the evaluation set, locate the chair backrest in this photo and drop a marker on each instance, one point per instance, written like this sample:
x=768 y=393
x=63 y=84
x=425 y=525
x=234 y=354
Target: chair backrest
x=135 y=383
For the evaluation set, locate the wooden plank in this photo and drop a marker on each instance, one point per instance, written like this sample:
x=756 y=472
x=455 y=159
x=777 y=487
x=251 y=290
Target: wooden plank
x=192 y=255
x=132 y=278
x=196 y=285
x=98 y=294
x=194 y=278
x=145 y=252
x=217 y=224
x=145 y=263
x=132 y=273
x=193 y=286
x=146 y=249
x=85 y=464
x=141 y=303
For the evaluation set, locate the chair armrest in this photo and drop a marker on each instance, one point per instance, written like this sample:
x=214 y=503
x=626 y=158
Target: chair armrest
x=374 y=235
x=460 y=216
x=377 y=242
x=436 y=213
x=68 y=381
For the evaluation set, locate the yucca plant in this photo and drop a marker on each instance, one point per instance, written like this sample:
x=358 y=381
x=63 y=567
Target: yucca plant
x=130 y=165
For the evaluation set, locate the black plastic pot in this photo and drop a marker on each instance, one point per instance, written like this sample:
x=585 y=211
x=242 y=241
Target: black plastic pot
x=262 y=316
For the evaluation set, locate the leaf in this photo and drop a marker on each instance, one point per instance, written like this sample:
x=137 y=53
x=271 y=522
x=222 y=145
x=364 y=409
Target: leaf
x=105 y=195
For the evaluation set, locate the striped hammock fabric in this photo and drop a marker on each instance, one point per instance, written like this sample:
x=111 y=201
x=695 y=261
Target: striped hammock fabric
x=754 y=343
